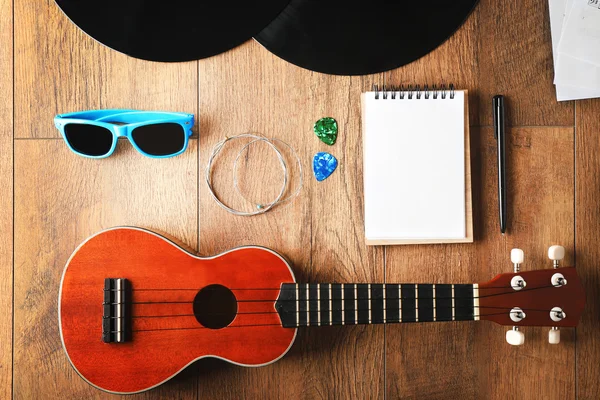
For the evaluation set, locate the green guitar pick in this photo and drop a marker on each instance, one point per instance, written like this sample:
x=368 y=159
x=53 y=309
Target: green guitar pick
x=326 y=129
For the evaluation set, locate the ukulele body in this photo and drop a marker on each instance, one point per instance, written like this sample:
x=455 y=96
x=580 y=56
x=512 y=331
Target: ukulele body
x=172 y=324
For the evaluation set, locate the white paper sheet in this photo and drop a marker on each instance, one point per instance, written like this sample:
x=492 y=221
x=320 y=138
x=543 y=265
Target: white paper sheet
x=414 y=168
x=573 y=72
x=580 y=37
x=574 y=79
x=566 y=93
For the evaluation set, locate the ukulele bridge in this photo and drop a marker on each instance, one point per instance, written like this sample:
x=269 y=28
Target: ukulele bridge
x=116 y=316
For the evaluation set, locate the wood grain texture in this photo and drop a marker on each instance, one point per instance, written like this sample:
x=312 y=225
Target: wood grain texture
x=515 y=59
x=504 y=47
x=6 y=198
x=477 y=361
x=541 y=205
x=587 y=239
x=58 y=207
x=497 y=52
x=60 y=69
x=320 y=232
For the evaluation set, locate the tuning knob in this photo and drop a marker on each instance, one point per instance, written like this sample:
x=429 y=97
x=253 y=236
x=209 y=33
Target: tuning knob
x=556 y=253
x=515 y=337
x=517 y=257
x=554 y=335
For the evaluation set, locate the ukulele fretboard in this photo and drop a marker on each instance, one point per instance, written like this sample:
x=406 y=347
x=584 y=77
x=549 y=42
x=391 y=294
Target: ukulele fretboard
x=362 y=303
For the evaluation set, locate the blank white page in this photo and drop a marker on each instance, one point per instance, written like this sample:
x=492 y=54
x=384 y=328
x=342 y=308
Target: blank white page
x=580 y=37
x=414 y=168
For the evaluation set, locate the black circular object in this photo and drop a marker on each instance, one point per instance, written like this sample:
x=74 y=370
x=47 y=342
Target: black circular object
x=215 y=306
x=361 y=37
x=173 y=30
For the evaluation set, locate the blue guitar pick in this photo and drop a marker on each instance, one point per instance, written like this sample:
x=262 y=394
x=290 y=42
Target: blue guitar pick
x=323 y=165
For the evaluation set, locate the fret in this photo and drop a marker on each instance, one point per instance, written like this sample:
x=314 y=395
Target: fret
x=303 y=304
x=463 y=300
x=307 y=289
x=337 y=316
x=325 y=304
x=443 y=302
x=425 y=302
x=318 y=304
x=416 y=304
x=363 y=303
x=408 y=303
x=476 y=302
x=399 y=303
x=296 y=308
x=384 y=305
x=453 y=305
x=330 y=307
x=392 y=303
x=313 y=307
x=434 y=304
x=343 y=306
x=369 y=302
x=377 y=304
x=349 y=306
x=355 y=303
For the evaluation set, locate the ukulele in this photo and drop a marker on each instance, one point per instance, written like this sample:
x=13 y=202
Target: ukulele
x=135 y=309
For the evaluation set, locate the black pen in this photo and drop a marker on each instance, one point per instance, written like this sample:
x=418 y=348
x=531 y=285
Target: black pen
x=500 y=134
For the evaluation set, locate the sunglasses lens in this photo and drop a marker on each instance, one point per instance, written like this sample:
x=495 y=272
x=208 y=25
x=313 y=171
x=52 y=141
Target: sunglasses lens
x=90 y=140
x=159 y=139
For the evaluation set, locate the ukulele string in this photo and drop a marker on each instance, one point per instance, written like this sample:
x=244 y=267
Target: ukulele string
x=392 y=298
x=299 y=326
x=293 y=290
x=346 y=309
x=305 y=300
x=352 y=309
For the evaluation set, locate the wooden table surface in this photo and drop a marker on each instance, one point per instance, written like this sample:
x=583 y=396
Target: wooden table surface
x=52 y=200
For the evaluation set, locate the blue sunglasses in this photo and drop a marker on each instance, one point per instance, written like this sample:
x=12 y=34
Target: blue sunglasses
x=155 y=134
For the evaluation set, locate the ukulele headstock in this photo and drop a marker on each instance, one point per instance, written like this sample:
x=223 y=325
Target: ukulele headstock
x=550 y=297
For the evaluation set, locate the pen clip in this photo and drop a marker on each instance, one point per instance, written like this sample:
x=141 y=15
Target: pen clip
x=497 y=105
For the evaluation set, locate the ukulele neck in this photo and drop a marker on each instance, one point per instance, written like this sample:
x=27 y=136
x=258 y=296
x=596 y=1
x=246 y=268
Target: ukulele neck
x=322 y=304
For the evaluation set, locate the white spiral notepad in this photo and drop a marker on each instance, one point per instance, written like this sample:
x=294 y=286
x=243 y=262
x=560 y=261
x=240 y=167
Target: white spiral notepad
x=417 y=185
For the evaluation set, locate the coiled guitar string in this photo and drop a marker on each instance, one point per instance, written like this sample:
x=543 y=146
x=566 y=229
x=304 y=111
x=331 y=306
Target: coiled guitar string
x=301 y=175
x=260 y=208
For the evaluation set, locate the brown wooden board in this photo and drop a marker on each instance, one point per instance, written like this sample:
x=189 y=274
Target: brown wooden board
x=320 y=232
x=6 y=197
x=61 y=199
x=60 y=69
x=503 y=48
x=587 y=245
x=472 y=360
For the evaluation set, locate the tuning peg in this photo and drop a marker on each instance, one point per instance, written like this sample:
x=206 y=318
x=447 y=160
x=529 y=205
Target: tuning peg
x=517 y=257
x=556 y=253
x=515 y=337
x=558 y=280
x=554 y=335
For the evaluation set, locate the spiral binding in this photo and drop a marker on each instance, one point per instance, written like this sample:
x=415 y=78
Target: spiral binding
x=414 y=92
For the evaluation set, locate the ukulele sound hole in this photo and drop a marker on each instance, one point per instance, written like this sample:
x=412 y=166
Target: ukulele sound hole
x=215 y=306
